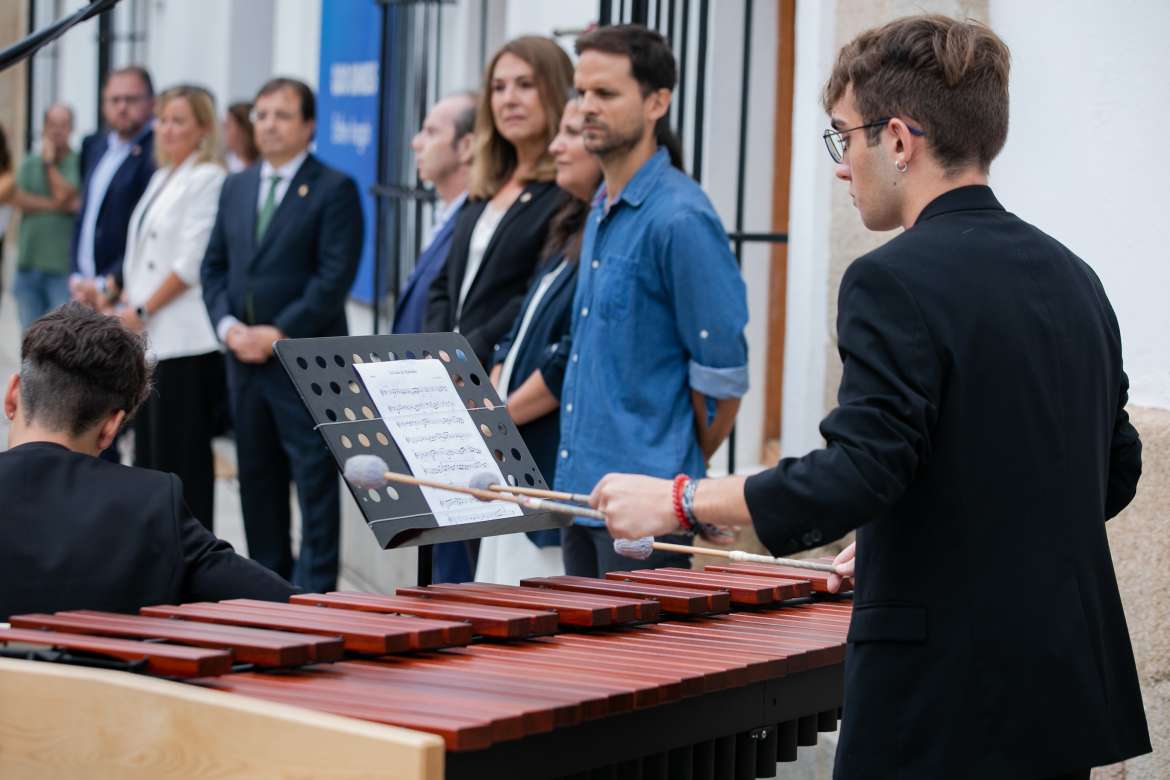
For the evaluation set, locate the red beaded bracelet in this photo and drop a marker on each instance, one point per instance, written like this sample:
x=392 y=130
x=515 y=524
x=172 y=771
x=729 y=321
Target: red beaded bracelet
x=680 y=484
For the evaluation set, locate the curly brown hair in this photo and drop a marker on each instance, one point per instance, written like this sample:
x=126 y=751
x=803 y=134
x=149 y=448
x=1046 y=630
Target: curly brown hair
x=78 y=366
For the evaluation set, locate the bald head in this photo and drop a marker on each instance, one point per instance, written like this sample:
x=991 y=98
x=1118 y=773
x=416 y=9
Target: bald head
x=442 y=148
x=58 y=125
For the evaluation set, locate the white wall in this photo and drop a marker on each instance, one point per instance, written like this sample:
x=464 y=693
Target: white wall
x=1085 y=159
x=807 y=329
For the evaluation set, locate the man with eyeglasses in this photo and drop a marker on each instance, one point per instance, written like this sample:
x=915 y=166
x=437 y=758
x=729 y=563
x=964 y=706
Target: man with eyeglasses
x=116 y=165
x=279 y=264
x=980 y=444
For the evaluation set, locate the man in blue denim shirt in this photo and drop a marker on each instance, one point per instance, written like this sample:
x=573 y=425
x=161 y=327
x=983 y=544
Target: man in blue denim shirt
x=660 y=306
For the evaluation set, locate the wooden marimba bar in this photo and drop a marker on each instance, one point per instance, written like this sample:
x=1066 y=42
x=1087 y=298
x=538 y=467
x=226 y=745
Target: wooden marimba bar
x=665 y=673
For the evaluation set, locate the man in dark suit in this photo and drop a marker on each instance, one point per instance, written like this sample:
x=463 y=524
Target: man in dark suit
x=78 y=532
x=116 y=166
x=980 y=444
x=442 y=151
x=279 y=264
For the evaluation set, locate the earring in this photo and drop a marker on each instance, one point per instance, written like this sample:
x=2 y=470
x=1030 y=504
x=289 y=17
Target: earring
x=901 y=166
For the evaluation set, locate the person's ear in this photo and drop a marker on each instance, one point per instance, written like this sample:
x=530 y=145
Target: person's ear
x=906 y=143
x=465 y=148
x=109 y=429
x=12 y=397
x=657 y=104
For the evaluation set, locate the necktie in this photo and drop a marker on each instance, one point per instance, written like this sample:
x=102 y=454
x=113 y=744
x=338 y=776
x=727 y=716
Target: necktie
x=268 y=209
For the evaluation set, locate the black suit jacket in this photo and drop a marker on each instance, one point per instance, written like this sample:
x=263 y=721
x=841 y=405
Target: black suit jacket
x=511 y=256
x=297 y=276
x=79 y=532
x=127 y=186
x=979 y=445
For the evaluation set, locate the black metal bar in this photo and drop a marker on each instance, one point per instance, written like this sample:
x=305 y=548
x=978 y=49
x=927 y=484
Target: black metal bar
x=747 y=238
x=28 y=82
x=482 y=34
x=605 y=13
x=658 y=15
x=104 y=42
x=640 y=12
x=25 y=48
x=622 y=12
x=700 y=93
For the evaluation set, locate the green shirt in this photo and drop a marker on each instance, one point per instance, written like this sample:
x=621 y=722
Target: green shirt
x=45 y=236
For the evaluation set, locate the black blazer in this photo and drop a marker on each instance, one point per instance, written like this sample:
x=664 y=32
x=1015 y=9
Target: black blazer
x=79 y=532
x=297 y=277
x=127 y=186
x=980 y=444
x=508 y=263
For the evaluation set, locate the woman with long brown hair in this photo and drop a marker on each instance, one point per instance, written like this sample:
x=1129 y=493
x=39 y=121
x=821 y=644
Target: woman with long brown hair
x=512 y=197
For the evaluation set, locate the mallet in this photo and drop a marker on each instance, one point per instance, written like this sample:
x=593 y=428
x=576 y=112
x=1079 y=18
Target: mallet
x=371 y=472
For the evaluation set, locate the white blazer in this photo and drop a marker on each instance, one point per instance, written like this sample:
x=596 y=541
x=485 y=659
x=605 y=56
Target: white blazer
x=168 y=233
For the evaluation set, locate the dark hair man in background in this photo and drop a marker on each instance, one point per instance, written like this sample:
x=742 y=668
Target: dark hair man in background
x=660 y=307
x=980 y=441
x=282 y=256
x=116 y=166
x=78 y=532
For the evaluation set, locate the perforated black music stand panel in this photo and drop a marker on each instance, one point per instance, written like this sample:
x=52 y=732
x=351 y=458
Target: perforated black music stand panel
x=322 y=371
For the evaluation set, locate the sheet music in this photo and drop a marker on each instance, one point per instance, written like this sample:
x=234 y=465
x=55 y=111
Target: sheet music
x=429 y=423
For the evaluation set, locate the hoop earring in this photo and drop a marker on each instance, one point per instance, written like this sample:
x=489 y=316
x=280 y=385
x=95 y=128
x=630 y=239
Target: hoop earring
x=901 y=166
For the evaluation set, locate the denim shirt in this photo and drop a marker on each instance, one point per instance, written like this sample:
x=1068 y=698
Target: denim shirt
x=659 y=311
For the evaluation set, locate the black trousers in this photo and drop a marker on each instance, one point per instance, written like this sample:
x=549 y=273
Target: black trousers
x=276 y=440
x=588 y=552
x=174 y=428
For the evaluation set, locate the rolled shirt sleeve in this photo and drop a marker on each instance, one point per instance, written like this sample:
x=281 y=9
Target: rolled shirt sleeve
x=710 y=303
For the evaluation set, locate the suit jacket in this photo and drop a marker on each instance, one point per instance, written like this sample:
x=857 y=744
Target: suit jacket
x=411 y=311
x=298 y=275
x=168 y=234
x=508 y=262
x=980 y=444
x=127 y=186
x=78 y=532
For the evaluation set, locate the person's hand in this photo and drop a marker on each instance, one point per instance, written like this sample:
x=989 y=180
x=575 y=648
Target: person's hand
x=252 y=344
x=129 y=317
x=48 y=150
x=844 y=563
x=85 y=291
x=635 y=506
x=494 y=376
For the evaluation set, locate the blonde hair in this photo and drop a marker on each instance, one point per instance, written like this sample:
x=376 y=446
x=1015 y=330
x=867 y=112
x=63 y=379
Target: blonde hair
x=495 y=156
x=203 y=108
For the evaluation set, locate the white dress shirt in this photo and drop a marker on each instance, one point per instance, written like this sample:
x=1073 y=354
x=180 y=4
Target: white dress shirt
x=481 y=237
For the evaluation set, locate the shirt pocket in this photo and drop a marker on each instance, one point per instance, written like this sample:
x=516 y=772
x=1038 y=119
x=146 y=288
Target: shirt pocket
x=617 y=281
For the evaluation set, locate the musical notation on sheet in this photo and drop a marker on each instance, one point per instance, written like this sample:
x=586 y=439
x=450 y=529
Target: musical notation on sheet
x=433 y=429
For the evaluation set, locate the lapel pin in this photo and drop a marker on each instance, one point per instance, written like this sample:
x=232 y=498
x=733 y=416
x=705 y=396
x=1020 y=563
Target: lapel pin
x=525 y=197
x=303 y=190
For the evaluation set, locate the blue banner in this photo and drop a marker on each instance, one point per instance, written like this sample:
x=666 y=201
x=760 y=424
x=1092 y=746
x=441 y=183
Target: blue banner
x=347 y=109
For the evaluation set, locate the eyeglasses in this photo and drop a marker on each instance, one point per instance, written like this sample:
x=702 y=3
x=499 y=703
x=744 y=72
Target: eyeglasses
x=837 y=141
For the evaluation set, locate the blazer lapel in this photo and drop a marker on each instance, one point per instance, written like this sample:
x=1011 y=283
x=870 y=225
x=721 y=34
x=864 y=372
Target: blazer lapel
x=250 y=192
x=290 y=206
x=531 y=193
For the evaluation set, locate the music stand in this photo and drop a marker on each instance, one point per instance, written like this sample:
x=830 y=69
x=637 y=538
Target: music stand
x=322 y=371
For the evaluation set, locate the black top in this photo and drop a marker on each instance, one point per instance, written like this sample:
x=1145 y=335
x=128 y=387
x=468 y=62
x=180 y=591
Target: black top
x=504 y=273
x=545 y=348
x=78 y=532
x=980 y=444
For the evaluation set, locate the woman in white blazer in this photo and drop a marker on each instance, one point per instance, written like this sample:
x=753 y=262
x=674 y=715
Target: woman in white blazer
x=161 y=296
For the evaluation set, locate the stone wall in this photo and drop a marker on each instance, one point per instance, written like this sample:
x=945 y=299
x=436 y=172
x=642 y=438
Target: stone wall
x=1140 y=541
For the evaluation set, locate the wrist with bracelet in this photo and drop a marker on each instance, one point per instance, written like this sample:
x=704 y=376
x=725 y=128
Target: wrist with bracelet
x=684 y=502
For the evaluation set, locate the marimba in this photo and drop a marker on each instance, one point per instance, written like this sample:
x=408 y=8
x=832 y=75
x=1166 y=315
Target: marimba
x=665 y=673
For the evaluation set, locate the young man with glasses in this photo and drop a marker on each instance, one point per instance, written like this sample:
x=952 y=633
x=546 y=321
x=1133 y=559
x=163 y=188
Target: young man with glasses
x=980 y=444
